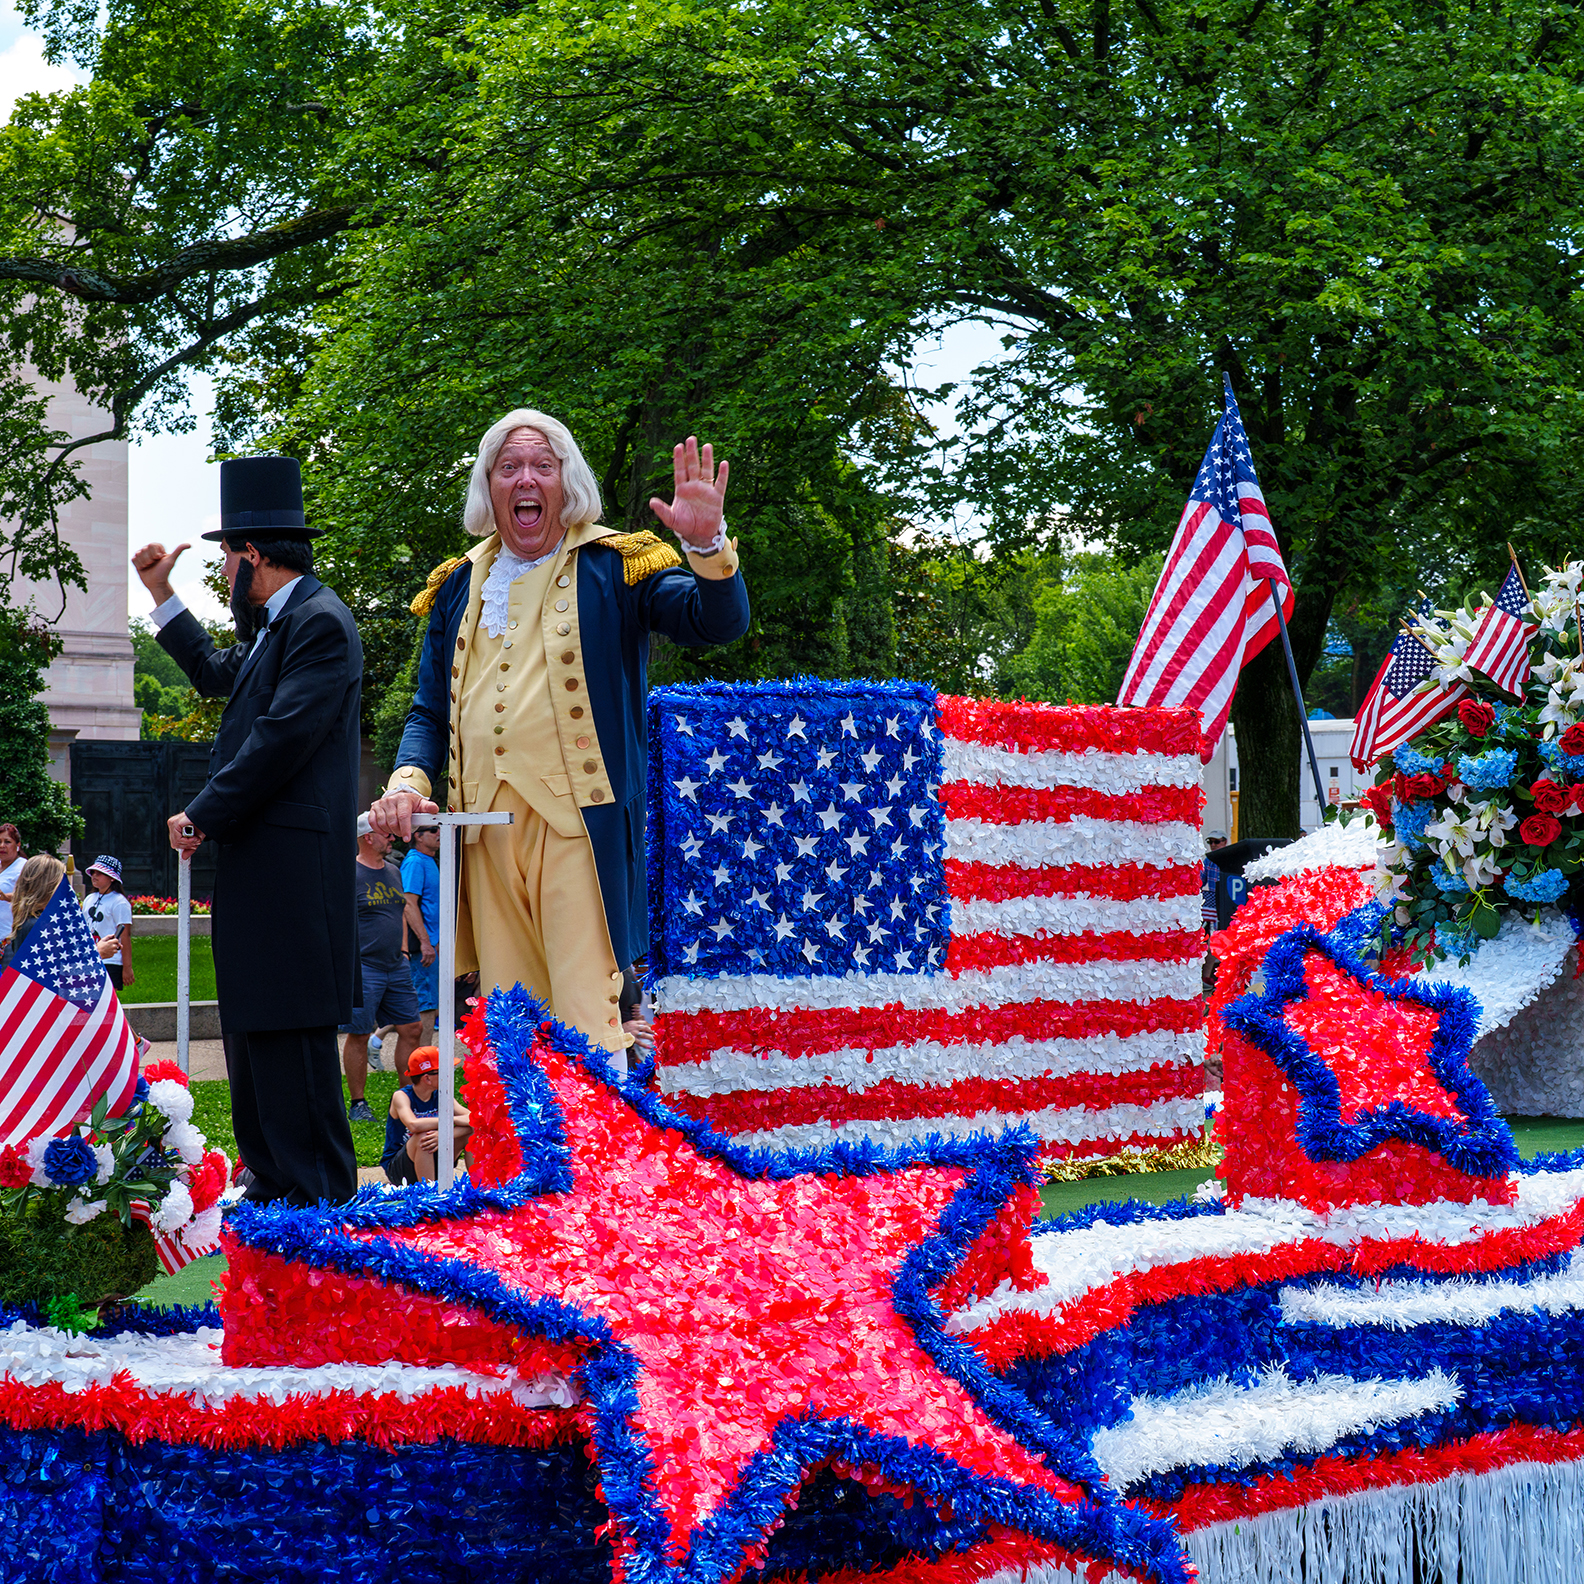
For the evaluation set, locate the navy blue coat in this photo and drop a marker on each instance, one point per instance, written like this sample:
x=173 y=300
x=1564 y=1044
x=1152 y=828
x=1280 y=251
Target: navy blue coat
x=614 y=622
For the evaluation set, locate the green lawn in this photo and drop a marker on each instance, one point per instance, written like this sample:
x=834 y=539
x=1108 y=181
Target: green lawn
x=154 y=963
x=212 y=1115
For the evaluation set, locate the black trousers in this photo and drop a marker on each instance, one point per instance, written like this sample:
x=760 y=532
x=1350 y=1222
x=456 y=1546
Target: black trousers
x=286 y=1111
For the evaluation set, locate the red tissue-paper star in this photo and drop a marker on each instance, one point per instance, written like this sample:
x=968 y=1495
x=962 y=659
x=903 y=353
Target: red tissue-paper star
x=734 y=1325
x=1346 y=1087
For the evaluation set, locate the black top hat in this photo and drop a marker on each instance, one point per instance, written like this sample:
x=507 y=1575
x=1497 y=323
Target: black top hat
x=262 y=494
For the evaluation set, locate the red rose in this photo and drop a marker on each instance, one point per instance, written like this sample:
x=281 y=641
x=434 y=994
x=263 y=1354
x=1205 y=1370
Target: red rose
x=14 y=1171
x=1424 y=786
x=1378 y=800
x=1573 y=739
x=1476 y=717
x=1540 y=830
x=1549 y=798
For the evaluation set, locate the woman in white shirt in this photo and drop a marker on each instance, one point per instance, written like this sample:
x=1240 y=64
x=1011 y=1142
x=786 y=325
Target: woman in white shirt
x=110 y=918
x=11 y=861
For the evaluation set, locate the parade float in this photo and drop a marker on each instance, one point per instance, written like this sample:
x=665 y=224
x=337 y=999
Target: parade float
x=817 y=1340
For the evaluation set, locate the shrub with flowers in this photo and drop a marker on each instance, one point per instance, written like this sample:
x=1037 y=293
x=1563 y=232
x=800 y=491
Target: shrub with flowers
x=1484 y=808
x=167 y=905
x=149 y=1166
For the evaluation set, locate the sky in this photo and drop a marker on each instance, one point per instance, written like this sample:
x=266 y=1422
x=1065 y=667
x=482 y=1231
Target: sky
x=174 y=490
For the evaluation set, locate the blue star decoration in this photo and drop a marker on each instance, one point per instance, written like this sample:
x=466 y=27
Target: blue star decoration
x=737 y=1320
x=1374 y=1061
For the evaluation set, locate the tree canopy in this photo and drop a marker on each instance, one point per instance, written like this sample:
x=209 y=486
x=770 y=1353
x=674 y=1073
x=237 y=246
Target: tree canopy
x=738 y=219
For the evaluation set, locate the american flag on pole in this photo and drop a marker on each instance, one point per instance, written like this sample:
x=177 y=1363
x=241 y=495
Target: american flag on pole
x=1212 y=610
x=64 y=1040
x=879 y=913
x=1501 y=641
x=1396 y=711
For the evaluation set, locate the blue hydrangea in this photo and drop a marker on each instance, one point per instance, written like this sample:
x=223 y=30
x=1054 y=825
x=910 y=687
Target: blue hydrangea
x=1444 y=879
x=1546 y=886
x=1456 y=940
x=1410 y=763
x=1488 y=771
x=69 y=1162
x=1409 y=821
x=1570 y=764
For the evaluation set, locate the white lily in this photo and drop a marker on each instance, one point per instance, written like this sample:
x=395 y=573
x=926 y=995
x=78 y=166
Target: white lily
x=1451 y=834
x=1480 y=870
x=1558 y=711
x=1390 y=883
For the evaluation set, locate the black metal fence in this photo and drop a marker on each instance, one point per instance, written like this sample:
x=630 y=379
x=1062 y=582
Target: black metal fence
x=127 y=791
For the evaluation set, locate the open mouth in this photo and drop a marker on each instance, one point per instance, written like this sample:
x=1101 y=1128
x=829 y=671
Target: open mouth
x=527 y=512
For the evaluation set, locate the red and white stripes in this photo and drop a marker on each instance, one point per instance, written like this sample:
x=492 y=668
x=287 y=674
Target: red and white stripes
x=1070 y=996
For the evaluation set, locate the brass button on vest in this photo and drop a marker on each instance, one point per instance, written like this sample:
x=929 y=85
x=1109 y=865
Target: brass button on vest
x=569 y=657
x=571 y=684
x=577 y=712
x=511 y=626
x=590 y=766
x=500 y=748
x=500 y=709
x=615 y=1000
x=507 y=644
x=583 y=742
x=456 y=670
x=461 y=643
x=561 y=605
x=500 y=687
x=505 y=665
x=563 y=628
x=563 y=581
x=598 y=794
x=499 y=730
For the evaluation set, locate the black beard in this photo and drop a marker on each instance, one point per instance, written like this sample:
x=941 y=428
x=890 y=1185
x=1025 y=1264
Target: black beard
x=248 y=618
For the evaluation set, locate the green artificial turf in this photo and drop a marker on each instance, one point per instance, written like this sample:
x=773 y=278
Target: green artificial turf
x=1546 y=1135
x=189 y=1287
x=154 y=970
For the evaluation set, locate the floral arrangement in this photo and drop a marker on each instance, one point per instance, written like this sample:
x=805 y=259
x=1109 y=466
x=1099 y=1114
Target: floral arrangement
x=167 y=906
x=1483 y=809
x=149 y=1165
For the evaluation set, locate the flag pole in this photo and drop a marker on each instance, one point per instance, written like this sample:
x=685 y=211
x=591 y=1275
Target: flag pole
x=184 y=961
x=1303 y=716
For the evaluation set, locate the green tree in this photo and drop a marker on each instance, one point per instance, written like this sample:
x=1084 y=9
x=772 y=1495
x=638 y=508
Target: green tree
x=31 y=799
x=1086 y=620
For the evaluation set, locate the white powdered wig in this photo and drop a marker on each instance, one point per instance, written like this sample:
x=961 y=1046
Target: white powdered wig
x=579 y=488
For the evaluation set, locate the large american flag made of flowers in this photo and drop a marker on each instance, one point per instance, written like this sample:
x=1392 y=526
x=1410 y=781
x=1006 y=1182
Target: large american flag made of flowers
x=879 y=912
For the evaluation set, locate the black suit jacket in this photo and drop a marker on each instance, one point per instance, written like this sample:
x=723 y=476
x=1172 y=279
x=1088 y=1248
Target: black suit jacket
x=282 y=805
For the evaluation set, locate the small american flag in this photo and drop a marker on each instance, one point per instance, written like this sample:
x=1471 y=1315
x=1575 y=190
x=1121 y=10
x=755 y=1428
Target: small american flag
x=879 y=913
x=174 y=1255
x=1212 y=610
x=1396 y=711
x=1501 y=641
x=64 y=1040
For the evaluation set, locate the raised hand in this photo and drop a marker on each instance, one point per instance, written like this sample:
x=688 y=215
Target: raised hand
x=154 y=564
x=698 y=495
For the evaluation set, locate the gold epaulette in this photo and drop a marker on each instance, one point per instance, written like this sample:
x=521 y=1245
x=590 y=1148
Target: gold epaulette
x=425 y=598
x=643 y=554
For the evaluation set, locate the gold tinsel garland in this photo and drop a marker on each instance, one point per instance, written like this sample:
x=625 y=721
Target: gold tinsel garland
x=1180 y=1157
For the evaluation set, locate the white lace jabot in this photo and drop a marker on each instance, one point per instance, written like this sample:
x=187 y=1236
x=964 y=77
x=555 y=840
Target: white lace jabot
x=507 y=569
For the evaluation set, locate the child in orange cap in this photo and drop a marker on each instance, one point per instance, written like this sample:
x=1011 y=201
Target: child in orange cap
x=412 y=1133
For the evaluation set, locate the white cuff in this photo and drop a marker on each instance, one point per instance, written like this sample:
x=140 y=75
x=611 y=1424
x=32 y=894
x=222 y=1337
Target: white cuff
x=169 y=610
x=714 y=546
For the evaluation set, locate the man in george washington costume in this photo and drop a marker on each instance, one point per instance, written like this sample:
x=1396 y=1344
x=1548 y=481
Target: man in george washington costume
x=530 y=699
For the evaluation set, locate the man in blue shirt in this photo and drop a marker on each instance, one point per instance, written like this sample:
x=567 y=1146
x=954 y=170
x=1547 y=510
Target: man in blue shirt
x=420 y=873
